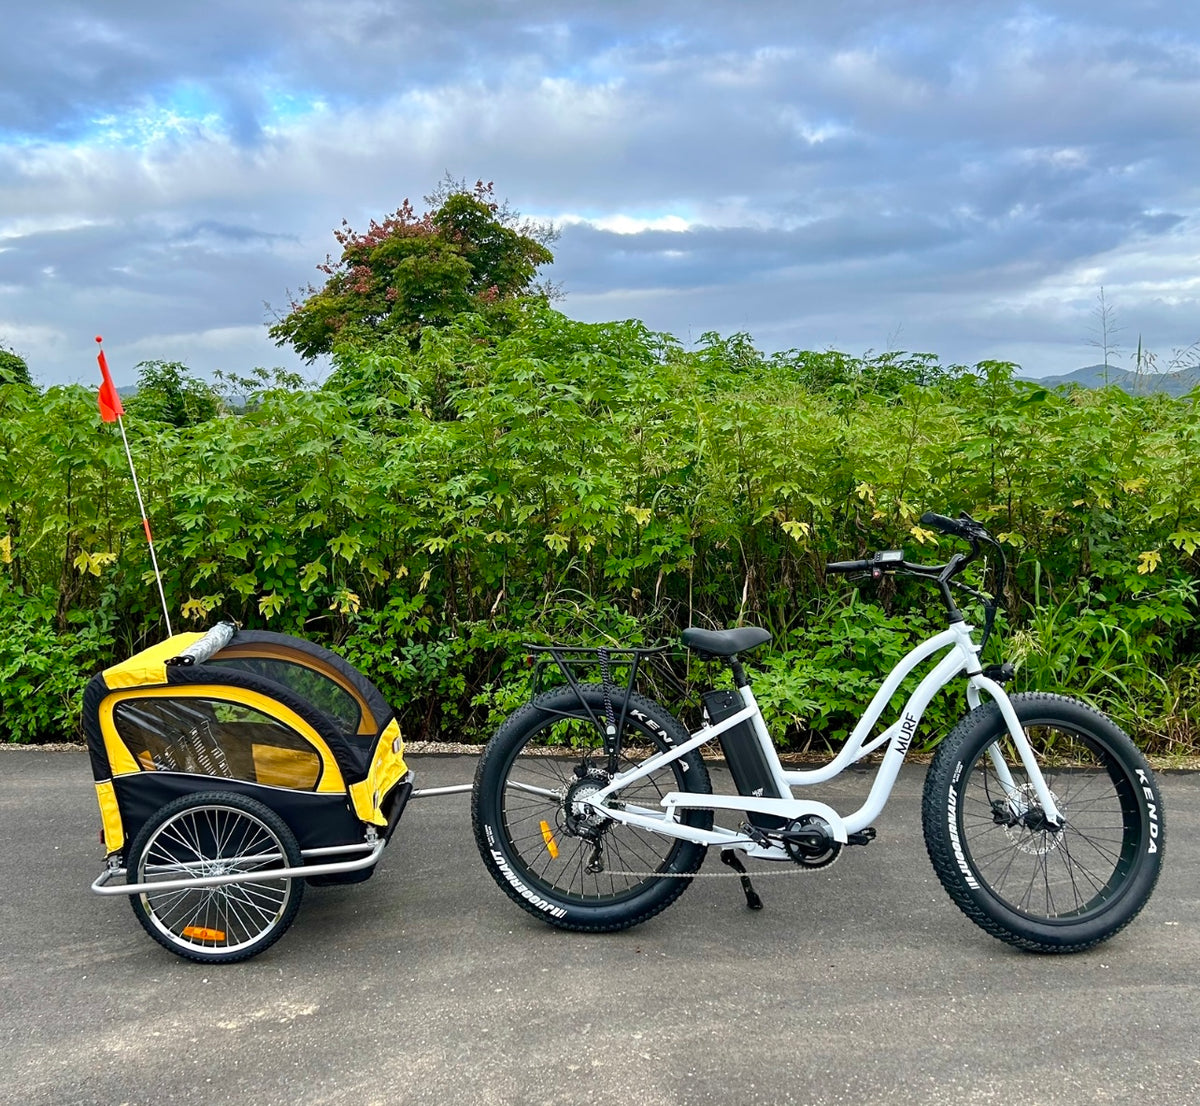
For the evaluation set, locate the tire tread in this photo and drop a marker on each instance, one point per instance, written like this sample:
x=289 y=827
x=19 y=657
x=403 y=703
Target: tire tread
x=976 y=727
x=581 y=918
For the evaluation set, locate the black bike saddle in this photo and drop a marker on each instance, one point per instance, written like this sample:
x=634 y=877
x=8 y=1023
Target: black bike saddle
x=724 y=643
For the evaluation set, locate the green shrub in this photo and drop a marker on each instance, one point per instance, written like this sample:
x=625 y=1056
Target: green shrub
x=428 y=509
x=44 y=669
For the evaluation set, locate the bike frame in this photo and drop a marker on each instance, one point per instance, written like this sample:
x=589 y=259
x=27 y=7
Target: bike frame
x=961 y=655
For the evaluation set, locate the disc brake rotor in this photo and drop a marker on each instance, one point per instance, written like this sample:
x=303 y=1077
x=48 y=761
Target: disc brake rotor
x=1030 y=833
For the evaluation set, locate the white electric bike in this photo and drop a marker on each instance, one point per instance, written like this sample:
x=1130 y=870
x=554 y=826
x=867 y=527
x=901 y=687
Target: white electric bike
x=593 y=809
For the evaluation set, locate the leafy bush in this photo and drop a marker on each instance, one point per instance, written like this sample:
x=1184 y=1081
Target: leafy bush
x=44 y=669
x=430 y=508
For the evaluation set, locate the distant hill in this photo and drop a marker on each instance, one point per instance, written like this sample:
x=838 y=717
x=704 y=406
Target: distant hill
x=1092 y=376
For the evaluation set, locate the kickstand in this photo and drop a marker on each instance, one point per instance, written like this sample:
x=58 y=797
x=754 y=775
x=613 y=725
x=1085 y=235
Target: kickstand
x=728 y=856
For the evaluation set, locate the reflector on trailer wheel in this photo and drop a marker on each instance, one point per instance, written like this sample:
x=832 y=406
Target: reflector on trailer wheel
x=201 y=933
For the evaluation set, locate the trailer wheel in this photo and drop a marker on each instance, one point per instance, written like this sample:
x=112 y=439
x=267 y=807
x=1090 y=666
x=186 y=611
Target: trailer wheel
x=215 y=833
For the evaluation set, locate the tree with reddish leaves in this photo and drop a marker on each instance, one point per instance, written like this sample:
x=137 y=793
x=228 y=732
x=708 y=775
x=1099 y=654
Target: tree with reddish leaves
x=407 y=272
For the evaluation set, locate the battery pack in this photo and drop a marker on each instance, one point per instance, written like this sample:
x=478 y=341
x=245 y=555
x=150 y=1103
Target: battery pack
x=747 y=763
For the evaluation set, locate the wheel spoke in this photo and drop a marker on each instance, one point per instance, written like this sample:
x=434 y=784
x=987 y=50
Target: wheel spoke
x=551 y=788
x=1040 y=872
x=218 y=838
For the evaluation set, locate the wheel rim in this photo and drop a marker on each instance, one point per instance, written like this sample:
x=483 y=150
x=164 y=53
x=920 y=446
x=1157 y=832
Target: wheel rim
x=549 y=841
x=1052 y=875
x=210 y=841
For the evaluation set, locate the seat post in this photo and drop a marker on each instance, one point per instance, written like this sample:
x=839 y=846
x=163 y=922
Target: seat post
x=740 y=679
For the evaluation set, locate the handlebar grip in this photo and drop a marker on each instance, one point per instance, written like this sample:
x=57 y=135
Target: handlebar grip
x=945 y=525
x=848 y=566
x=213 y=642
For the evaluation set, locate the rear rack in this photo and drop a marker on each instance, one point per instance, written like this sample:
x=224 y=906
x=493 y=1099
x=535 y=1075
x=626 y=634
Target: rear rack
x=569 y=658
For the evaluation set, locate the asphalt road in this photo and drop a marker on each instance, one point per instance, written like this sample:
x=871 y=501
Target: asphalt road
x=860 y=984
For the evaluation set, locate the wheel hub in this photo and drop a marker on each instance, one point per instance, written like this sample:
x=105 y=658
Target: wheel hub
x=580 y=818
x=1025 y=822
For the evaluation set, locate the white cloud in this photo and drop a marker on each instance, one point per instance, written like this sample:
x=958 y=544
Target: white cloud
x=813 y=174
x=621 y=223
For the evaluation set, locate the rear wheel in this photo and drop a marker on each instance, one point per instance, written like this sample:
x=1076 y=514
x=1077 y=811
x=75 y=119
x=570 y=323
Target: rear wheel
x=1025 y=881
x=210 y=834
x=560 y=859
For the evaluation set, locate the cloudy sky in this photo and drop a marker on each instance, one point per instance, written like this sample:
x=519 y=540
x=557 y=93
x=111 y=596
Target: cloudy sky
x=956 y=177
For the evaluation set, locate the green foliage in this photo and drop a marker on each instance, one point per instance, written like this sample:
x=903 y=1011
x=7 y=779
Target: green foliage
x=409 y=272
x=813 y=692
x=167 y=392
x=13 y=368
x=434 y=505
x=44 y=668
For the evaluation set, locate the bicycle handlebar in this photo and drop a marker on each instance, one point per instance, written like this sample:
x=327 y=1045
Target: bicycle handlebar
x=877 y=564
x=942 y=523
x=964 y=527
x=848 y=566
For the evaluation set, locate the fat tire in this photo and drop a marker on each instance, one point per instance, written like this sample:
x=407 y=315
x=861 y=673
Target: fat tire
x=652 y=724
x=247 y=810
x=955 y=818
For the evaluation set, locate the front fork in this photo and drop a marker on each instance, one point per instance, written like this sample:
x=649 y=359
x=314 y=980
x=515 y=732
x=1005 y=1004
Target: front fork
x=1016 y=798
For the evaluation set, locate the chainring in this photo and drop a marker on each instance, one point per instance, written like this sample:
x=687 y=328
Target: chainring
x=807 y=856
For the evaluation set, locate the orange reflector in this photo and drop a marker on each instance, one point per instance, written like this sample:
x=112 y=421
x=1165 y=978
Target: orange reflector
x=199 y=933
x=548 y=837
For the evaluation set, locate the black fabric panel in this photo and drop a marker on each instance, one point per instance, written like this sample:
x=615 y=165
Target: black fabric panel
x=353 y=759
x=393 y=806
x=317 y=820
x=92 y=697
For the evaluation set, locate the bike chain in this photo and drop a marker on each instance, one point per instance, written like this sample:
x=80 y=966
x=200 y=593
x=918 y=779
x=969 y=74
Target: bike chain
x=793 y=869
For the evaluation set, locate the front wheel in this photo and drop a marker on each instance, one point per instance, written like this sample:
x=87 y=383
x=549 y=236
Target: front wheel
x=554 y=855
x=1038 y=886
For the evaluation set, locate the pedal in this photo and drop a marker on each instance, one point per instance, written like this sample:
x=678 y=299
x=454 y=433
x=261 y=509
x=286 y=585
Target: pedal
x=729 y=857
x=756 y=835
x=862 y=837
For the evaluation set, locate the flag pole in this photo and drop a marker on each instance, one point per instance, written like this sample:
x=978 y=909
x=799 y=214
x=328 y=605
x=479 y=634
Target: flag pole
x=111 y=410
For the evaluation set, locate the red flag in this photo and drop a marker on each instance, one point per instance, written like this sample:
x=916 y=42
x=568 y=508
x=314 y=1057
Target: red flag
x=110 y=401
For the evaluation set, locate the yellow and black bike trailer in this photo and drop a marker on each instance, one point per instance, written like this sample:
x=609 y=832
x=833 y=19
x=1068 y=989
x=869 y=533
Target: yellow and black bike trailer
x=233 y=768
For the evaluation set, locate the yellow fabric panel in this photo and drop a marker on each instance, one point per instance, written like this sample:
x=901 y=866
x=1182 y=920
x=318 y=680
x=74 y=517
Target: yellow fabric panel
x=122 y=761
x=149 y=667
x=110 y=816
x=285 y=767
x=387 y=767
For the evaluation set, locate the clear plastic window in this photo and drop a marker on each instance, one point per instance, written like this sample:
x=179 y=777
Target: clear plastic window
x=317 y=688
x=216 y=737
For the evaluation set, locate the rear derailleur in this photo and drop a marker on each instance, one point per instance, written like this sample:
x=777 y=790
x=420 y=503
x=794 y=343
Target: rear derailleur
x=581 y=818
